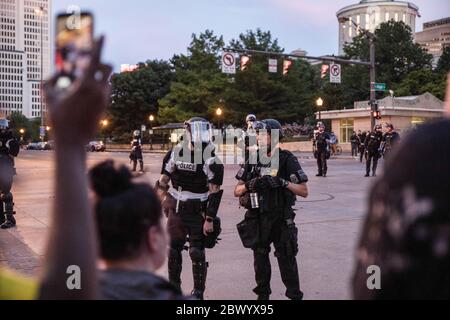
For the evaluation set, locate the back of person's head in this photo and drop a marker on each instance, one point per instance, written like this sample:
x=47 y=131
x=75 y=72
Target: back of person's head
x=407 y=232
x=126 y=213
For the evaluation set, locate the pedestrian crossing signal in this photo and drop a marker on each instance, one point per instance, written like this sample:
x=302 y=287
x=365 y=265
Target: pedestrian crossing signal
x=287 y=64
x=245 y=62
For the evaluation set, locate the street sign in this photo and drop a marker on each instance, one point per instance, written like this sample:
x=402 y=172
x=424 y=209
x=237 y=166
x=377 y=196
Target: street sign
x=335 y=73
x=42 y=132
x=150 y=132
x=273 y=65
x=379 y=86
x=144 y=128
x=228 y=63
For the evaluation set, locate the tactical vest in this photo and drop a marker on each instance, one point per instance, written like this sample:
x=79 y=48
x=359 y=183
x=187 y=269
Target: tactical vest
x=188 y=175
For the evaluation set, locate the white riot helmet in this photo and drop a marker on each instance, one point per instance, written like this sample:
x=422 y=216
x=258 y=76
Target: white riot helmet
x=198 y=130
x=137 y=134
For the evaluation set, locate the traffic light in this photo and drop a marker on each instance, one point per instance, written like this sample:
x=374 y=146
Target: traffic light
x=245 y=62
x=287 y=64
x=377 y=115
x=324 y=72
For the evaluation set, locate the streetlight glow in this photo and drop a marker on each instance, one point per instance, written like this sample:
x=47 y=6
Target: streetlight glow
x=105 y=123
x=152 y=118
x=219 y=112
x=319 y=102
x=22 y=131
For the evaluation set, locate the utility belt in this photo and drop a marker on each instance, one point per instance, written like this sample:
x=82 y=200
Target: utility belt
x=189 y=202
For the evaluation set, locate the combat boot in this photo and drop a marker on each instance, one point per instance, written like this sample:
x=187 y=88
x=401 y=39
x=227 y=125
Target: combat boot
x=10 y=222
x=199 y=271
x=175 y=268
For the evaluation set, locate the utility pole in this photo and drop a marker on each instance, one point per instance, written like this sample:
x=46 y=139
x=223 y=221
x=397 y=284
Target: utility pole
x=373 y=96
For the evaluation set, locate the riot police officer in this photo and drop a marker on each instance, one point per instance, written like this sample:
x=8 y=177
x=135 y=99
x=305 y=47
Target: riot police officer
x=136 y=151
x=9 y=148
x=268 y=191
x=196 y=175
x=322 y=150
x=390 y=139
x=373 y=147
x=362 y=148
x=248 y=139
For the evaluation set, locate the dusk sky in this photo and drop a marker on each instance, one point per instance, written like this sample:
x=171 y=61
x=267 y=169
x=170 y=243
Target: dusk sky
x=138 y=30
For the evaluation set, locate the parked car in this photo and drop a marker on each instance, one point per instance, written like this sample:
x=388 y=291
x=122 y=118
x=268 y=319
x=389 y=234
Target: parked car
x=34 y=146
x=96 y=146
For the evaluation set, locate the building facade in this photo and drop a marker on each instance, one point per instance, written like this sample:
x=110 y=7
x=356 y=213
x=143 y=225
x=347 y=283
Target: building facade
x=369 y=14
x=403 y=112
x=22 y=26
x=435 y=37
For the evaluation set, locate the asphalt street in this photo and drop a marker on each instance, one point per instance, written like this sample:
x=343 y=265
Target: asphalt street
x=329 y=221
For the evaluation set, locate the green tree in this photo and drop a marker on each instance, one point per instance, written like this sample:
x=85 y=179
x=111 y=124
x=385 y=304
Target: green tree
x=421 y=81
x=287 y=98
x=443 y=65
x=397 y=55
x=31 y=127
x=135 y=95
x=199 y=84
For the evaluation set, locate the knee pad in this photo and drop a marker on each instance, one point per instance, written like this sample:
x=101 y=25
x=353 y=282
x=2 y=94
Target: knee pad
x=197 y=254
x=7 y=197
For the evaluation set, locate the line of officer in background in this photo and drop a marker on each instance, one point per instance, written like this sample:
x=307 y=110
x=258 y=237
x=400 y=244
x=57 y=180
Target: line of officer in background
x=136 y=151
x=322 y=150
x=390 y=139
x=373 y=148
x=9 y=149
x=268 y=190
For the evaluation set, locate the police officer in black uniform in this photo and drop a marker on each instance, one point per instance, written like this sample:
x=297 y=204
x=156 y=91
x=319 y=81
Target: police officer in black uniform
x=390 y=139
x=322 y=150
x=248 y=139
x=9 y=148
x=362 y=148
x=373 y=147
x=196 y=176
x=136 y=151
x=268 y=191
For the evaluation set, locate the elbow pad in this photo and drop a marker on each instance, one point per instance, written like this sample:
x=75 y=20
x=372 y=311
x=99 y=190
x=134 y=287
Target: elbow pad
x=214 y=201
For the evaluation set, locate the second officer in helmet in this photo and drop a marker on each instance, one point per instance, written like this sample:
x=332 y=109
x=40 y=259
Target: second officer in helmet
x=267 y=188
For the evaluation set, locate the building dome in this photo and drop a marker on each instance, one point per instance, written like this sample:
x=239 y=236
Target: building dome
x=369 y=14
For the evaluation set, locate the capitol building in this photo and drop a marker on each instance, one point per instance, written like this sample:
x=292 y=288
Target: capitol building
x=369 y=14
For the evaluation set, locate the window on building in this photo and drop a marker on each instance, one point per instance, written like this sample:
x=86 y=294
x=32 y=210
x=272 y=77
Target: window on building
x=347 y=128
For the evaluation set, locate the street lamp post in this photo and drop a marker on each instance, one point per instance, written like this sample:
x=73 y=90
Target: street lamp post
x=151 y=118
x=40 y=13
x=22 y=133
x=371 y=37
x=219 y=113
x=319 y=104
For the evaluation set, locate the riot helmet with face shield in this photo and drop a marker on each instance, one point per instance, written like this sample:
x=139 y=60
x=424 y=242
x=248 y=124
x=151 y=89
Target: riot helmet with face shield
x=198 y=131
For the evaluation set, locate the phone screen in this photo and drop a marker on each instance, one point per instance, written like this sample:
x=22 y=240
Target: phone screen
x=74 y=40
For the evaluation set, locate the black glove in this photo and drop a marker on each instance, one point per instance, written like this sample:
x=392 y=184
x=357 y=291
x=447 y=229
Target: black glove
x=274 y=182
x=255 y=185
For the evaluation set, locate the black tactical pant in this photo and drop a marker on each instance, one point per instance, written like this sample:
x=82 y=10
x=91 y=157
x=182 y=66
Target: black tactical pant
x=355 y=149
x=136 y=156
x=185 y=225
x=322 y=162
x=362 y=153
x=275 y=229
x=373 y=157
x=6 y=197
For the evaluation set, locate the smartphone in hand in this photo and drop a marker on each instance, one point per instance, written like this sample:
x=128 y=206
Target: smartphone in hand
x=74 y=42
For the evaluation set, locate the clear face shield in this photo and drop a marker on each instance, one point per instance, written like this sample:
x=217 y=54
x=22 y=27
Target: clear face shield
x=200 y=132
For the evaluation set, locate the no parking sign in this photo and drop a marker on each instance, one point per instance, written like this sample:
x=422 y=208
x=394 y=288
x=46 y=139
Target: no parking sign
x=228 y=63
x=335 y=73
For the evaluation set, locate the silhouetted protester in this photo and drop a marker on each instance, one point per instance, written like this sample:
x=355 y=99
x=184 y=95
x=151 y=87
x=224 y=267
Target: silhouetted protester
x=133 y=240
x=407 y=231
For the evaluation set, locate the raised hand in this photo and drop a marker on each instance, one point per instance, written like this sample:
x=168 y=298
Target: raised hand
x=76 y=111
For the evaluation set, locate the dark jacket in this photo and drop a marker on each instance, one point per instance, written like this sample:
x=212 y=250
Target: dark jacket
x=136 y=285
